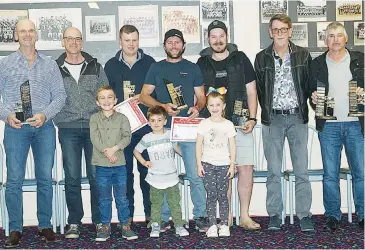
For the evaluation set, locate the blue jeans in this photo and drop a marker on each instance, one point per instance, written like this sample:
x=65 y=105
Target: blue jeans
x=197 y=189
x=72 y=141
x=17 y=143
x=332 y=138
x=108 y=178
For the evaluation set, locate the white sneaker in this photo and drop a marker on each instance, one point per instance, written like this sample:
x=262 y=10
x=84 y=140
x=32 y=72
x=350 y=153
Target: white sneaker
x=155 y=230
x=224 y=231
x=181 y=231
x=212 y=231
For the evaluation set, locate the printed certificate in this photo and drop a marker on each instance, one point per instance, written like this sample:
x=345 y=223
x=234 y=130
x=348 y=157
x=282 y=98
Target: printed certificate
x=183 y=129
x=134 y=114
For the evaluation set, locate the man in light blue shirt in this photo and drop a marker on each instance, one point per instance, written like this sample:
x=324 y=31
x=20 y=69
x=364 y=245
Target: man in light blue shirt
x=47 y=99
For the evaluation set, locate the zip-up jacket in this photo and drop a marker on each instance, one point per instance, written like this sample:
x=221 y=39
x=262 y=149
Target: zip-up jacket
x=265 y=78
x=80 y=102
x=319 y=71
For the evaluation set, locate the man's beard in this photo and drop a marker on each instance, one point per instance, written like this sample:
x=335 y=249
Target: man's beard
x=221 y=50
x=169 y=55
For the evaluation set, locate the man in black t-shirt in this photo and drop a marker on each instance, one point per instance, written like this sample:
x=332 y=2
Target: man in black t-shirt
x=229 y=70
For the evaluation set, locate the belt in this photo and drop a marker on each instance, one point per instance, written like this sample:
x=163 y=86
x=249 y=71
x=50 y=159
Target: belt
x=286 y=111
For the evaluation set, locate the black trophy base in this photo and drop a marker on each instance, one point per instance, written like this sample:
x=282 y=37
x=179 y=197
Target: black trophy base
x=326 y=117
x=357 y=114
x=182 y=107
x=20 y=116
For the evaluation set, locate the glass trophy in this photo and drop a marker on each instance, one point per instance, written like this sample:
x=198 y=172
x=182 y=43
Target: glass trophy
x=356 y=102
x=325 y=105
x=241 y=113
x=23 y=110
x=128 y=90
x=176 y=95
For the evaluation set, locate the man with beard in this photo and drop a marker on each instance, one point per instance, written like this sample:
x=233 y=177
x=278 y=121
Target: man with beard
x=223 y=66
x=187 y=76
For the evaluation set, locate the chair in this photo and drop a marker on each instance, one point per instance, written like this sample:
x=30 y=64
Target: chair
x=345 y=174
x=62 y=194
x=2 y=194
x=260 y=173
x=30 y=185
x=314 y=175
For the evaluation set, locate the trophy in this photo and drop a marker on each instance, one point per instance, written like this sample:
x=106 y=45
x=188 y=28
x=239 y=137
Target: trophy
x=241 y=113
x=23 y=110
x=325 y=105
x=356 y=102
x=128 y=90
x=176 y=95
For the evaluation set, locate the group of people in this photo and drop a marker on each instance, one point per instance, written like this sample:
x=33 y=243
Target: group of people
x=79 y=96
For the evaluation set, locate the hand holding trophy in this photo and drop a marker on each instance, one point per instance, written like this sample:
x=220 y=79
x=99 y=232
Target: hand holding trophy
x=23 y=110
x=325 y=104
x=176 y=95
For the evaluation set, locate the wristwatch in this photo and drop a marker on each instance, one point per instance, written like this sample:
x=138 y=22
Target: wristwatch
x=253 y=119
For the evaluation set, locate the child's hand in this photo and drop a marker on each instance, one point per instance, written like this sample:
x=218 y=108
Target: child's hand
x=201 y=171
x=230 y=172
x=147 y=164
x=113 y=159
x=109 y=152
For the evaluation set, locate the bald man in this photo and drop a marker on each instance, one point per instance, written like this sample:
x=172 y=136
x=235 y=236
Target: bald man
x=82 y=76
x=48 y=96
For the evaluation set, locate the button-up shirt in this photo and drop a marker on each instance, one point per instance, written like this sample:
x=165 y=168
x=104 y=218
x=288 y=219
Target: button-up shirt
x=46 y=84
x=106 y=132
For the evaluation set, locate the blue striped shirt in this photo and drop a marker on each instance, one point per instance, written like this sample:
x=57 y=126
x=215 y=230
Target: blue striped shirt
x=47 y=91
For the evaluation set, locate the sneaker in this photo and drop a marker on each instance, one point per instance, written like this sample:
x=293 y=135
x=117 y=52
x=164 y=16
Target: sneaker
x=212 y=231
x=307 y=224
x=73 y=232
x=165 y=226
x=275 y=223
x=224 y=231
x=155 y=230
x=181 y=231
x=332 y=223
x=201 y=224
x=127 y=233
x=102 y=232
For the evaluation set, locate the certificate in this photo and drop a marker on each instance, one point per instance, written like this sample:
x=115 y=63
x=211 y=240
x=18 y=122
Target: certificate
x=183 y=129
x=131 y=110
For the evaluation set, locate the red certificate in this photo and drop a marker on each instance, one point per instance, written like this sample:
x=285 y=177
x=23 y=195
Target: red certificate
x=183 y=129
x=134 y=114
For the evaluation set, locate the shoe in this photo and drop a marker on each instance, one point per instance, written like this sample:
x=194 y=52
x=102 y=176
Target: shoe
x=127 y=233
x=102 y=232
x=275 y=223
x=212 y=232
x=250 y=225
x=155 y=230
x=332 y=223
x=361 y=224
x=48 y=235
x=201 y=224
x=73 y=232
x=307 y=224
x=181 y=231
x=224 y=231
x=14 y=239
x=165 y=226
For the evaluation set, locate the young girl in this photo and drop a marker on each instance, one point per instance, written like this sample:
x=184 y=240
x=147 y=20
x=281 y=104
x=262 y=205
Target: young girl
x=215 y=155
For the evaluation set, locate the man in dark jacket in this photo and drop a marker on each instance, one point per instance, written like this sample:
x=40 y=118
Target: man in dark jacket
x=223 y=66
x=333 y=70
x=282 y=72
x=82 y=76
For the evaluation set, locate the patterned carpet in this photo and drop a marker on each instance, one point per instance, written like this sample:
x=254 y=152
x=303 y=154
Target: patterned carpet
x=349 y=236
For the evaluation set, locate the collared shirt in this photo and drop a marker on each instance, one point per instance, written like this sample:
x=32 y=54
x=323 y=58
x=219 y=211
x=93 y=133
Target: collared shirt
x=106 y=132
x=126 y=63
x=284 y=96
x=46 y=84
x=339 y=75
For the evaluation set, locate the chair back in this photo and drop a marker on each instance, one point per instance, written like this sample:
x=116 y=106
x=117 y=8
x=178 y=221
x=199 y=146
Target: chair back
x=2 y=159
x=311 y=134
x=83 y=165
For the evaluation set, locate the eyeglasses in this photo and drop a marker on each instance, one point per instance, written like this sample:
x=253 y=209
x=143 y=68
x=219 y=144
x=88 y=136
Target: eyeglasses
x=73 y=39
x=282 y=30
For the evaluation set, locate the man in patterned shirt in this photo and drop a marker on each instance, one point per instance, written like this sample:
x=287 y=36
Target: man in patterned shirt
x=282 y=88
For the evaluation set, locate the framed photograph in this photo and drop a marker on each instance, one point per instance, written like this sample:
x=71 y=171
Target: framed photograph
x=100 y=28
x=145 y=18
x=51 y=23
x=183 y=129
x=211 y=10
x=312 y=11
x=8 y=21
x=348 y=10
x=359 y=33
x=134 y=114
x=300 y=34
x=321 y=33
x=183 y=18
x=270 y=8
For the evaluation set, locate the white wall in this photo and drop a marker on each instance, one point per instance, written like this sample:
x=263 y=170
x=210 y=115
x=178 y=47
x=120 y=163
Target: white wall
x=246 y=34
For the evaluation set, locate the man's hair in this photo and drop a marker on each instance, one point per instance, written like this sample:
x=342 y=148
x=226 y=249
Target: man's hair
x=156 y=110
x=334 y=26
x=284 y=18
x=128 y=29
x=217 y=95
x=104 y=87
